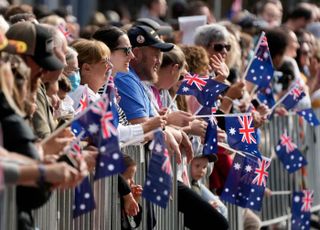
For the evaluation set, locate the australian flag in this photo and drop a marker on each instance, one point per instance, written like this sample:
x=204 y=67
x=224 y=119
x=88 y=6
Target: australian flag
x=301 y=206
x=84 y=100
x=295 y=94
x=246 y=181
x=111 y=92
x=98 y=121
x=83 y=195
x=205 y=89
x=83 y=198
x=242 y=134
x=158 y=183
x=309 y=116
x=289 y=155
x=266 y=97
x=260 y=71
x=211 y=140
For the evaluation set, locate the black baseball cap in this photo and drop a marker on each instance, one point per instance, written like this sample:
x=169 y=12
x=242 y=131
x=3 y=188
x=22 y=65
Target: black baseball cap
x=39 y=43
x=160 y=29
x=146 y=36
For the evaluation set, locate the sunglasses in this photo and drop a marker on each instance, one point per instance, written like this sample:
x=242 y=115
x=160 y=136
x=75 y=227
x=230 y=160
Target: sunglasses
x=220 y=47
x=126 y=50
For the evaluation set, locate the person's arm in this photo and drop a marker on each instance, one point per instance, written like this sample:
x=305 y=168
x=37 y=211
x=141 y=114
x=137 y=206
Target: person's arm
x=131 y=207
x=138 y=131
x=4 y=154
x=57 y=173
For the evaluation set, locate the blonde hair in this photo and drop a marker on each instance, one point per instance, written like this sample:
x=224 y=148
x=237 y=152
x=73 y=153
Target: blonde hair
x=174 y=56
x=53 y=20
x=90 y=51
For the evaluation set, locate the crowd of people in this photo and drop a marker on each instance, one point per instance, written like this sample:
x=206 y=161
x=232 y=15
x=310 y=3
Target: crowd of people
x=47 y=63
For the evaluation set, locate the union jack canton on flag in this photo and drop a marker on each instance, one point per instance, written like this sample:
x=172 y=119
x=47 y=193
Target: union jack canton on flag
x=301 y=206
x=246 y=181
x=98 y=121
x=295 y=94
x=205 y=89
x=241 y=134
x=158 y=183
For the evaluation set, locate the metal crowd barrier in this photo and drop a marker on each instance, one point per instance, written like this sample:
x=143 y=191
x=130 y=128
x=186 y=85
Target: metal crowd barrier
x=276 y=209
x=57 y=213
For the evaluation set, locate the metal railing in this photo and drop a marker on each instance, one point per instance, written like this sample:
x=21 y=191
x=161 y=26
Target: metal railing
x=57 y=213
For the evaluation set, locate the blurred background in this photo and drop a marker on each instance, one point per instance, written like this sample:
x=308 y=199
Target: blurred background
x=84 y=9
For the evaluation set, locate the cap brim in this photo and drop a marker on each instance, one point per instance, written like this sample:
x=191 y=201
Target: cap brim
x=164 y=47
x=211 y=157
x=49 y=62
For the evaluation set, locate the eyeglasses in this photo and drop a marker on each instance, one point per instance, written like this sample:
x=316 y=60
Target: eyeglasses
x=126 y=50
x=219 y=47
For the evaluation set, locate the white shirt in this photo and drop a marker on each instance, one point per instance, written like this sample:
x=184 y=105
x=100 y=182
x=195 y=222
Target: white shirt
x=125 y=133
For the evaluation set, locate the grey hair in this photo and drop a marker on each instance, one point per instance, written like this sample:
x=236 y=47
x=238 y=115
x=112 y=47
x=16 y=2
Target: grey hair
x=207 y=34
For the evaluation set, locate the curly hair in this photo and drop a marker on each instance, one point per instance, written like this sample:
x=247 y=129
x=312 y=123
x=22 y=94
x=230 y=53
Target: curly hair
x=196 y=58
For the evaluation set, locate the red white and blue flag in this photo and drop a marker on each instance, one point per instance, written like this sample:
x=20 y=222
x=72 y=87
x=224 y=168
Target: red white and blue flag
x=241 y=134
x=288 y=153
x=260 y=71
x=246 y=181
x=158 y=183
x=205 y=89
x=301 y=207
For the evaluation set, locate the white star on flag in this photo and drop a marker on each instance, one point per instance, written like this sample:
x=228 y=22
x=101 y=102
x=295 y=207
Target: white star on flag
x=248 y=168
x=158 y=148
x=232 y=131
x=93 y=128
x=185 y=89
x=237 y=166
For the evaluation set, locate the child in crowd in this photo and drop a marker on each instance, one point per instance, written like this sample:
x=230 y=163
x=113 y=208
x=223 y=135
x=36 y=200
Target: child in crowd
x=130 y=222
x=199 y=169
x=65 y=109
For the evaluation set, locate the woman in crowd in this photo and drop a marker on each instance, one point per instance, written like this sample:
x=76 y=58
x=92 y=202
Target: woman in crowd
x=121 y=54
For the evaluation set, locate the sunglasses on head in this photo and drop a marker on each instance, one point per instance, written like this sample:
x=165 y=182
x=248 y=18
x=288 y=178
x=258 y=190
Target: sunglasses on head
x=126 y=50
x=220 y=47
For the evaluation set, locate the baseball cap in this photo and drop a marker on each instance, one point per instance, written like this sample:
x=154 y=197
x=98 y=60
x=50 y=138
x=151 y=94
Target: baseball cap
x=211 y=157
x=146 y=36
x=39 y=43
x=160 y=29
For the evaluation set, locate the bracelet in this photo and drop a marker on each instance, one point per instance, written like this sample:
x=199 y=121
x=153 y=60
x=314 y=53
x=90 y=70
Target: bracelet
x=228 y=98
x=42 y=172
